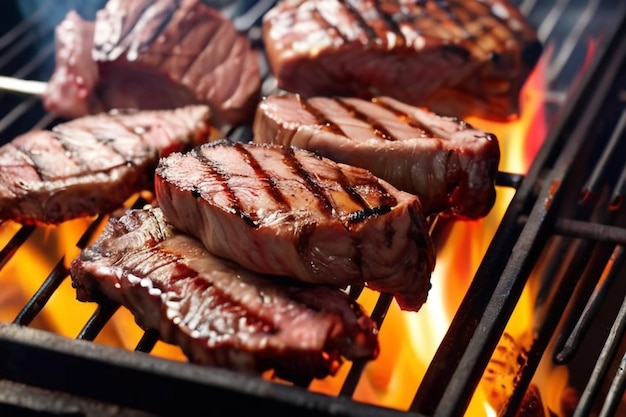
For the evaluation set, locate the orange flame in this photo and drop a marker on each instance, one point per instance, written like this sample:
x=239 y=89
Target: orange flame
x=393 y=378
x=408 y=340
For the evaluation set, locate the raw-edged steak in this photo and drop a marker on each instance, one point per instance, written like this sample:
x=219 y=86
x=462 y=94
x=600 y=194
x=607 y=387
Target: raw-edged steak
x=154 y=55
x=91 y=165
x=70 y=90
x=286 y=211
x=457 y=57
x=218 y=312
x=450 y=165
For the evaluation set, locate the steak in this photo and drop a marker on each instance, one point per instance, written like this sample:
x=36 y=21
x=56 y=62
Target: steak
x=91 y=165
x=154 y=55
x=456 y=57
x=285 y=211
x=70 y=90
x=450 y=165
x=219 y=313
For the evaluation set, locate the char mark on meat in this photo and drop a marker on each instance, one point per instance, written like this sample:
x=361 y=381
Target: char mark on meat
x=154 y=55
x=92 y=165
x=456 y=57
x=285 y=211
x=446 y=162
x=219 y=313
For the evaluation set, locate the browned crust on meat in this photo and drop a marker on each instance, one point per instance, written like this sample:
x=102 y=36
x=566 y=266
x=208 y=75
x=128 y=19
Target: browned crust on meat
x=457 y=57
x=218 y=312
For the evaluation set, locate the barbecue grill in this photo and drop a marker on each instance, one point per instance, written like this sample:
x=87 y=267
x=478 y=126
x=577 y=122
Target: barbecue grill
x=566 y=224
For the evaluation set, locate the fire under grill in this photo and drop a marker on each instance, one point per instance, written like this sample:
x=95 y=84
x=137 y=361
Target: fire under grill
x=565 y=226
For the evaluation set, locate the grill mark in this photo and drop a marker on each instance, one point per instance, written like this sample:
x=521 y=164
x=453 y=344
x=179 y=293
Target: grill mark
x=454 y=18
x=488 y=30
x=33 y=164
x=448 y=7
x=158 y=30
x=362 y=215
x=184 y=35
x=388 y=201
x=369 y=31
x=107 y=142
x=390 y=22
x=313 y=186
x=123 y=36
x=318 y=191
x=320 y=117
x=378 y=129
x=406 y=118
x=223 y=177
x=76 y=157
x=270 y=183
x=321 y=19
x=138 y=131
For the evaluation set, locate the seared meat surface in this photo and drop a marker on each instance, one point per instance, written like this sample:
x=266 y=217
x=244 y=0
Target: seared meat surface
x=92 y=164
x=447 y=163
x=218 y=312
x=286 y=211
x=70 y=90
x=154 y=55
x=456 y=57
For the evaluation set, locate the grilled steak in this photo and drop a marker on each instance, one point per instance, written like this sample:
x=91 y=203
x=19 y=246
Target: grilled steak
x=218 y=312
x=69 y=91
x=286 y=211
x=91 y=165
x=447 y=163
x=154 y=55
x=457 y=57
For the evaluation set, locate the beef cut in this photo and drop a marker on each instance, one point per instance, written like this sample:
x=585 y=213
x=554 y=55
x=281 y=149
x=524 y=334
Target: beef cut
x=70 y=92
x=450 y=165
x=91 y=165
x=285 y=211
x=218 y=312
x=456 y=57
x=154 y=55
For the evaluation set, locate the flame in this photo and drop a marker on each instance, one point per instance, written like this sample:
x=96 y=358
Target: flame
x=35 y=259
x=393 y=378
x=408 y=340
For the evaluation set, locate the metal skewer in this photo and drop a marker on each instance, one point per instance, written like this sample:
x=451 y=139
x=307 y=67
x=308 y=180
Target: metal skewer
x=18 y=86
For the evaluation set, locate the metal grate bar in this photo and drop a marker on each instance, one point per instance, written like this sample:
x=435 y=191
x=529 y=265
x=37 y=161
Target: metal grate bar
x=354 y=375
x=98 y=320
x=14 y=244
x=591 y=230
x=568 y=346
x=148 y=341
x=573 y=39
x=592 y=187
x=43 y=294
x=507 y=179
x=616 y=392
x=18 y=111
x=453 y=375
x=26 y=25
x=601 y=368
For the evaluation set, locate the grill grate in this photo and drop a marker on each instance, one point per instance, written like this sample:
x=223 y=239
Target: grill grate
x=582 y=231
